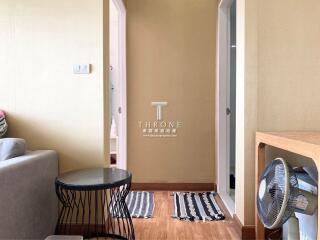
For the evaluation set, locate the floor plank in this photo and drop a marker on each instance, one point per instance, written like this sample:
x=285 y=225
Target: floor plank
x=163 y=227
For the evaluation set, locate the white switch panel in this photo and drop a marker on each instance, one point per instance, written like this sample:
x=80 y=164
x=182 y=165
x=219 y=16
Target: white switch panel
x=82 y=68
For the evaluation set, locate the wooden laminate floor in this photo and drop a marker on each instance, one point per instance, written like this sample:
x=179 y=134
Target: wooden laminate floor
x=163 y=227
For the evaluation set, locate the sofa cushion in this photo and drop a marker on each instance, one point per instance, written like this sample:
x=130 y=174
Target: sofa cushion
x=11 y=148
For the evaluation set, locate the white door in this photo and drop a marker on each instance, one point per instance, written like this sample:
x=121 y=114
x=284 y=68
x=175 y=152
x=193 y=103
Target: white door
x=118 y=82
x=226 y=105
x=231 y=101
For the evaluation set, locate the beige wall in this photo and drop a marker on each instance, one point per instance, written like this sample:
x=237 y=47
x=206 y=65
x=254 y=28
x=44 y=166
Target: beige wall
x=282 y=69
x=46 y=104
x=171 y=57
x=248 y=28
x=247 y=49
x=289 y=65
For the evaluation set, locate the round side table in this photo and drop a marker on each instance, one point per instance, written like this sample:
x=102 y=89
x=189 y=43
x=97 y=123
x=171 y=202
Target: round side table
x=93 y=203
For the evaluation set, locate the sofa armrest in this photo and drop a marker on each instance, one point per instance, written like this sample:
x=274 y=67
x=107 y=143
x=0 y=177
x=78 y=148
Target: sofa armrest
x=28 y=204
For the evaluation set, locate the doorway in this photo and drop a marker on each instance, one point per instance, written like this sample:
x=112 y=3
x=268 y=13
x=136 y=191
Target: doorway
x=117 y=84
x=226 y=103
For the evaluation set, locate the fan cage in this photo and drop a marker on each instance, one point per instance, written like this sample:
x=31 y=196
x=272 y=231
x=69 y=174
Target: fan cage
x=274 y=207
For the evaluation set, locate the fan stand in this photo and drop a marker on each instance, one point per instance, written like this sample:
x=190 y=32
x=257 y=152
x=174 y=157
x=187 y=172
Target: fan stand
x=291 y=229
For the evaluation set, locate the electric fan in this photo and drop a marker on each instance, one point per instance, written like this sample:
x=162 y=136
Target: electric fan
x=279 y=197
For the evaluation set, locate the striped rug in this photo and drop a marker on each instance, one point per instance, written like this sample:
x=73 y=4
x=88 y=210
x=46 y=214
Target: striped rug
x=195 y=206
x=140 y=204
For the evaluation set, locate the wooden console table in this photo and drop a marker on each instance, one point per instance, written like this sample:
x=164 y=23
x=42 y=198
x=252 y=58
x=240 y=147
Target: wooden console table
x=303 y=143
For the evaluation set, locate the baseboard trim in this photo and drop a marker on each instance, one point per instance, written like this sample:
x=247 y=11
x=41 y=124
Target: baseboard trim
x=174 y=186
x=246 y=232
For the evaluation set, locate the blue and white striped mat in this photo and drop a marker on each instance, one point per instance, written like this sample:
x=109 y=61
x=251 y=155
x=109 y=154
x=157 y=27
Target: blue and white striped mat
x=193 y=206
x=140 y=204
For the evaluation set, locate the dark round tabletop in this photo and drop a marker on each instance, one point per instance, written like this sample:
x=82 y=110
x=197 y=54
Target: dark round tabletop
x=94 y=179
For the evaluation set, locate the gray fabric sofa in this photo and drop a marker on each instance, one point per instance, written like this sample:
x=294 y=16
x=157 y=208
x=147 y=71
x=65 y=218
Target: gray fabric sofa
x=28 y=204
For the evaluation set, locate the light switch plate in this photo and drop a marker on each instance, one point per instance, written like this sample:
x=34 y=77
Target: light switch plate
x=82 y=68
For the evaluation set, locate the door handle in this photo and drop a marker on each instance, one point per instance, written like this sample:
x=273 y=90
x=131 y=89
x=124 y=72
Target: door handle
x=228 y=111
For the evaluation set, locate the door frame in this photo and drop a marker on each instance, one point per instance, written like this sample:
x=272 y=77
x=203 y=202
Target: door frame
x=122 y=128
x=222 y=134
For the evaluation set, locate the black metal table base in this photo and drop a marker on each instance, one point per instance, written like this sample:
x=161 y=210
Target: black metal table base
x=99 y=213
